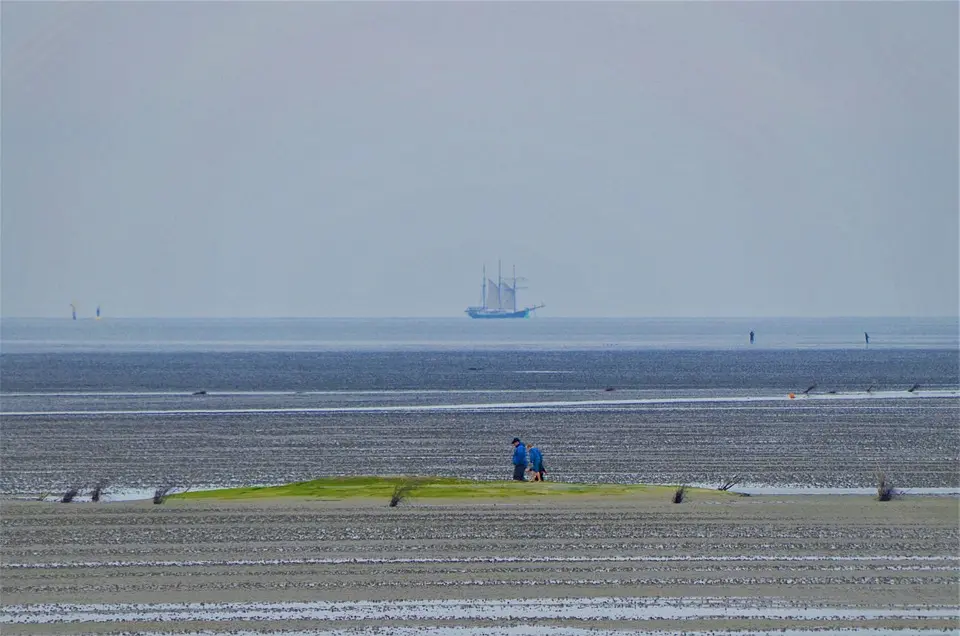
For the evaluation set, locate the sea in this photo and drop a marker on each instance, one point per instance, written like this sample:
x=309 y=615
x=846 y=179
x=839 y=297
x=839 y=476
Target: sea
x=809 y=406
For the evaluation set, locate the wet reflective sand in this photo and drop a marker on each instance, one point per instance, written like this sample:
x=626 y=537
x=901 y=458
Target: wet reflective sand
x=748 y=563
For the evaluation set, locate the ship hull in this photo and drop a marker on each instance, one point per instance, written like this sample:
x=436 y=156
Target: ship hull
x=487 y=314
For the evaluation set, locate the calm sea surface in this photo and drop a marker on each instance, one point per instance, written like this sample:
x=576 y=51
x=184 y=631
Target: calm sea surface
x=230 y=402
x=534 y=334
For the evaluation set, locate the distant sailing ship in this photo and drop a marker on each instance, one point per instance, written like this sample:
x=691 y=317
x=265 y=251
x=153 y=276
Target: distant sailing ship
x=499 y=299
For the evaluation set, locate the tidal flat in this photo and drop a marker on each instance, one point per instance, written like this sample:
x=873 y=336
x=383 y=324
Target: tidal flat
x=452 y=565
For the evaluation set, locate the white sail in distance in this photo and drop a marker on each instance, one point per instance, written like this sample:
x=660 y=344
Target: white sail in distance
x=493 y=295
x=508 y=297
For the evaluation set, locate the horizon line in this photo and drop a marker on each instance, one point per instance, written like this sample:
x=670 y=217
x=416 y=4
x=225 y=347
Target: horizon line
x=458 y=317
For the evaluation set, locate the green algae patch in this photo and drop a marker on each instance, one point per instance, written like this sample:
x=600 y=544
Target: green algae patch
x=439 y=488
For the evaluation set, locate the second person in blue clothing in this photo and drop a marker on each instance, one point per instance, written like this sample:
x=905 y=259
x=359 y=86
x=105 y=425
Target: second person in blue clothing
x=536 y=463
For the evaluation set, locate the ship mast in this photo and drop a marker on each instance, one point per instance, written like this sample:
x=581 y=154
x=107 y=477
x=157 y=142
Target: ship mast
x=499 y=286
x=483 y=288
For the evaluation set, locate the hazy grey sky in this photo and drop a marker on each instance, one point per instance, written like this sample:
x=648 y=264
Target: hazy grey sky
x=365 y=159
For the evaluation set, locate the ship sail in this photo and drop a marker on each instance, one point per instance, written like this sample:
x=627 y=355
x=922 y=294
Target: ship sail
x=493 y=295
x=508 y=297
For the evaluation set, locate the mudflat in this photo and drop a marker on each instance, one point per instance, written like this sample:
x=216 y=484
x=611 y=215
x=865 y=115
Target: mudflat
x=632 y=562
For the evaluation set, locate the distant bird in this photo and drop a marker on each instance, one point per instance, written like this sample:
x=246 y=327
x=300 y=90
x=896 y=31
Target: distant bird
x=866 y=338
x=810 y=388
x=913 y=388
x=751 y=336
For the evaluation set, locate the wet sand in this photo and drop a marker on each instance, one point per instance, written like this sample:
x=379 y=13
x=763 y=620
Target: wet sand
x=828 y=441
x=755 y=563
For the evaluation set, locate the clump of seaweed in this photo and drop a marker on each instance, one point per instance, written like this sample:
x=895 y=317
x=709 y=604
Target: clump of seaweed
x=403 y=489
x=885 y=489
x=679 y=494
x=98 y=490
x=70 y=495
x=162 y=492
x=728 y=483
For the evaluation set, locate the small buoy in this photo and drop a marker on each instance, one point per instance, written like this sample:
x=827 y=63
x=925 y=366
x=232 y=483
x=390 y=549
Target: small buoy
x=793 y=395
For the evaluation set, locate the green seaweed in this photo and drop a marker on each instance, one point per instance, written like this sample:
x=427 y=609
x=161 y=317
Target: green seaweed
x=367 y=487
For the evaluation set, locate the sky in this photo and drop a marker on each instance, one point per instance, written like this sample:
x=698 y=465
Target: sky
x=367 y=159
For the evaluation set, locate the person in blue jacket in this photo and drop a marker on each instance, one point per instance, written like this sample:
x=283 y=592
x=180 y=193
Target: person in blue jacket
x=536 y=462
x=519 y=460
